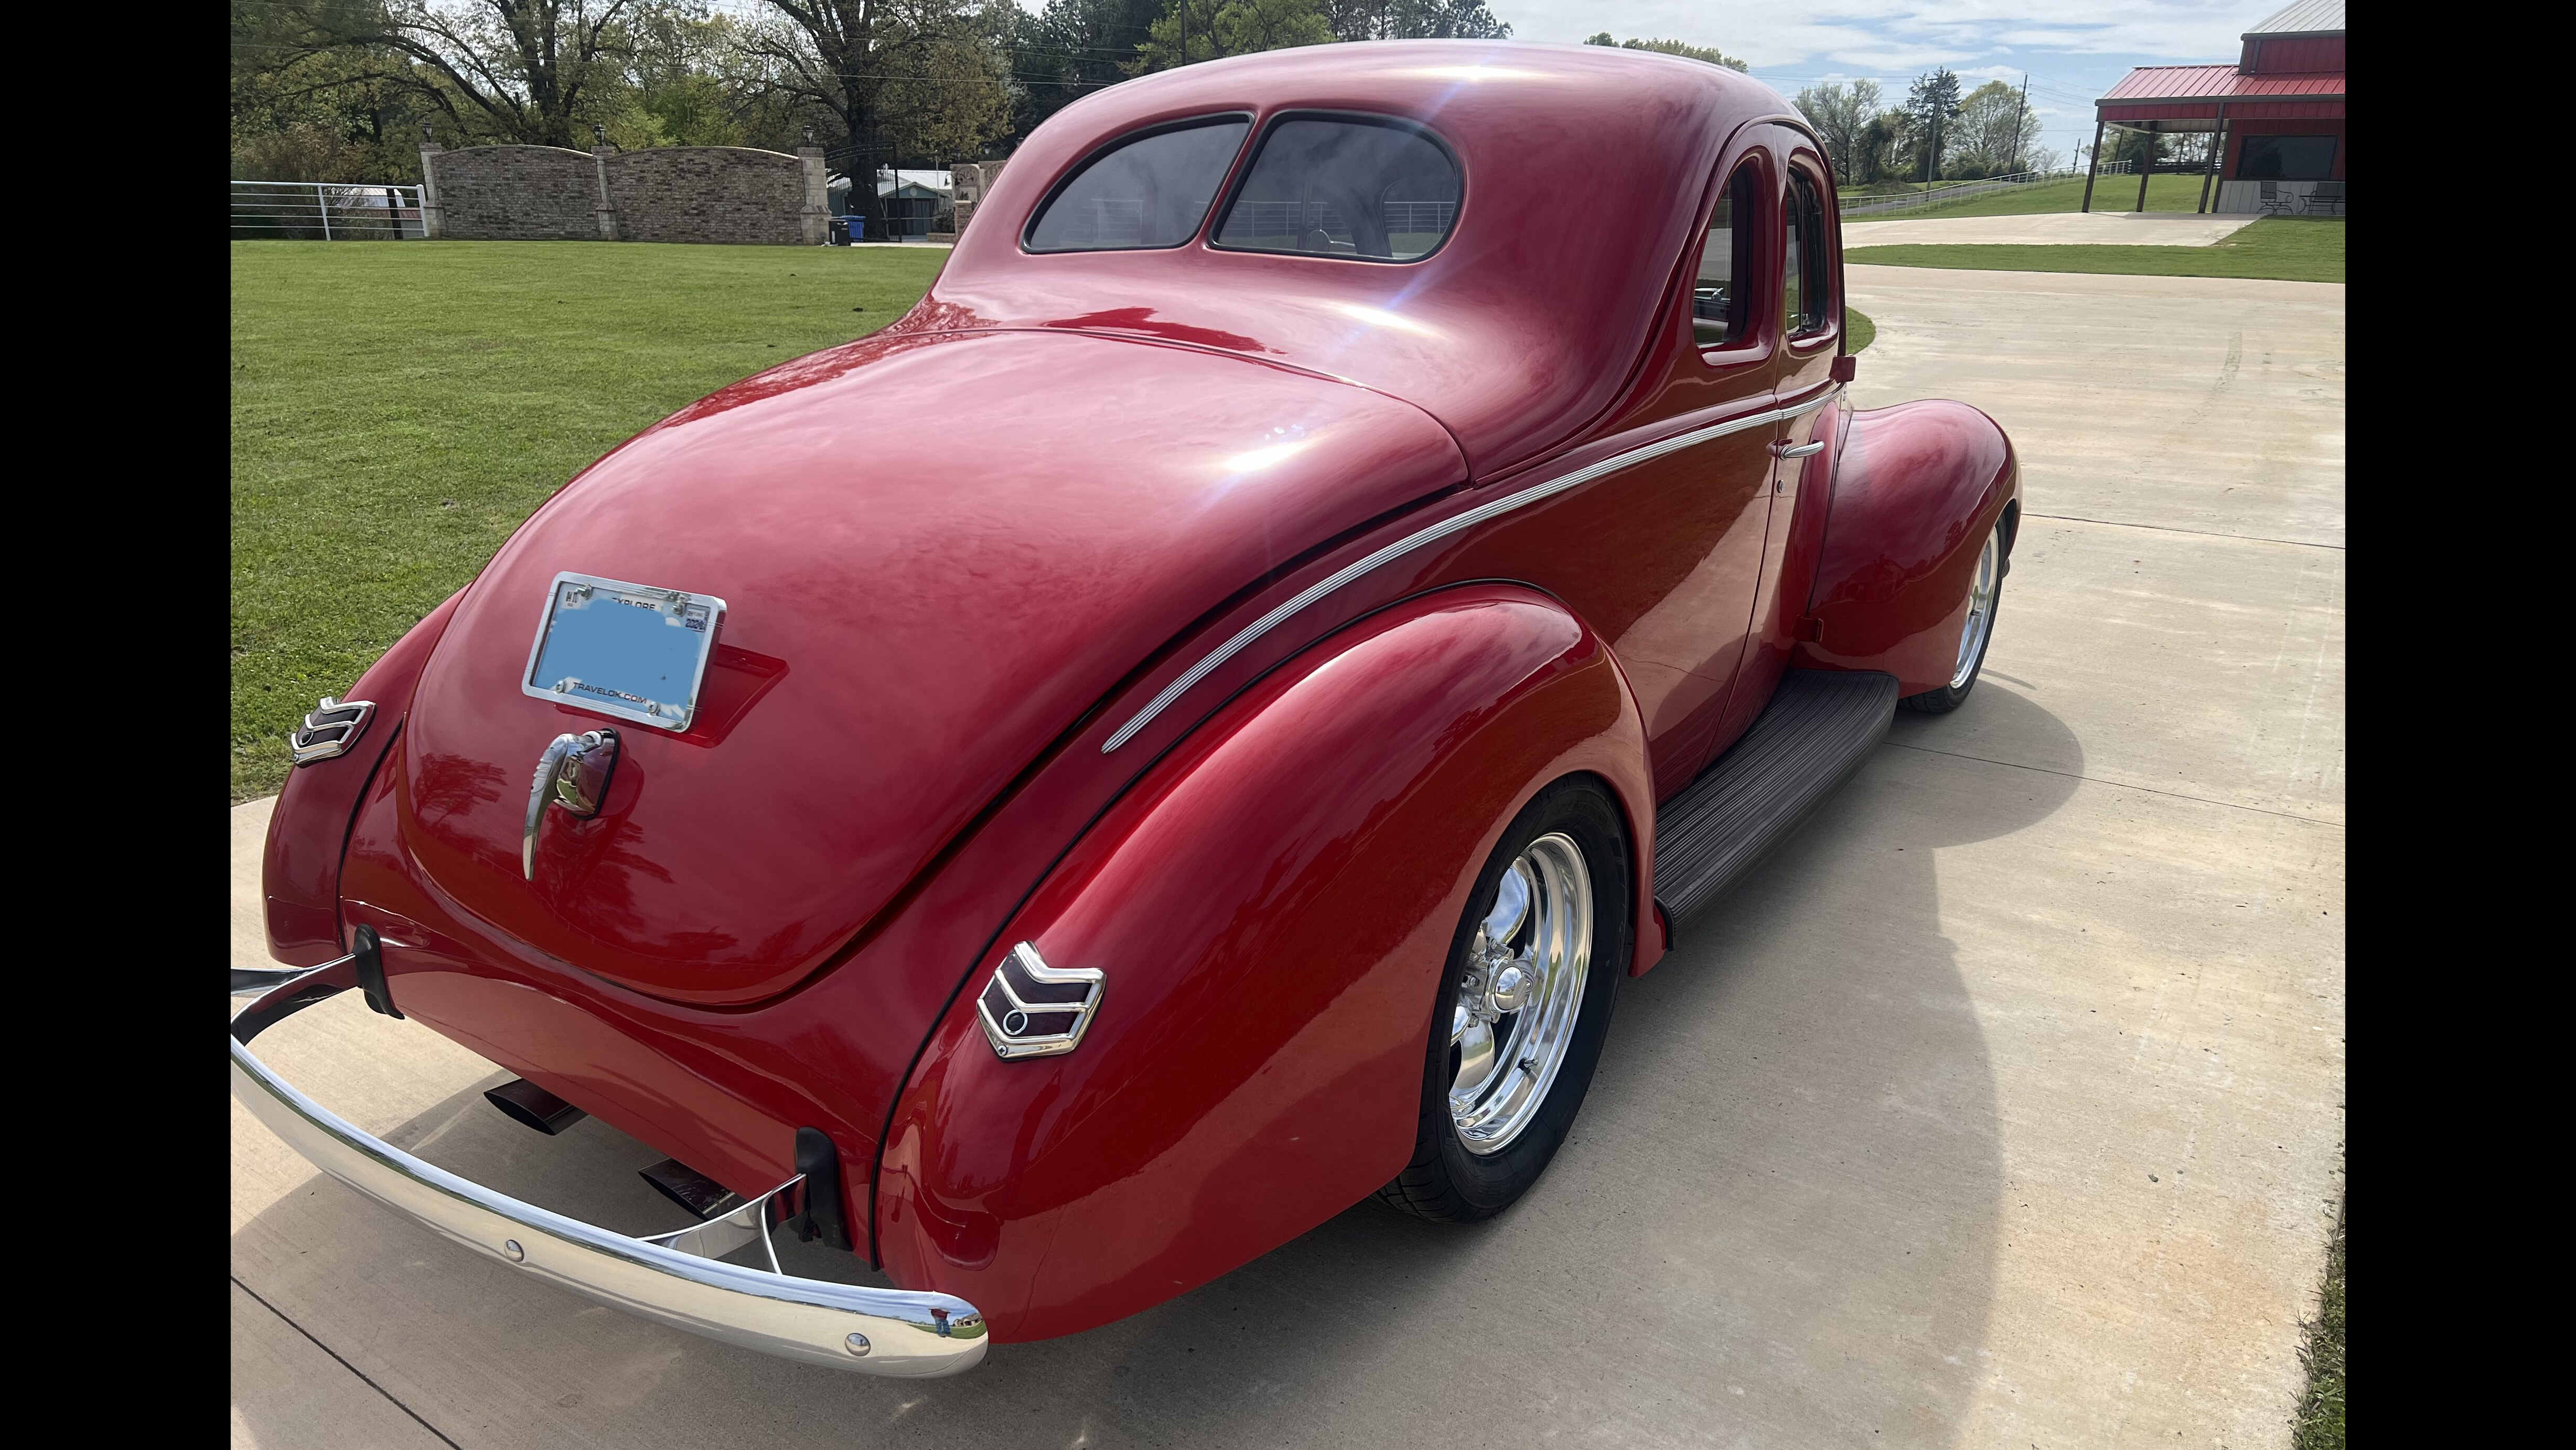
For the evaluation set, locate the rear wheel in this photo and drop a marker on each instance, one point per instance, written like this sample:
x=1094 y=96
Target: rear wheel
x=1985 y=591
x=1523 y=1008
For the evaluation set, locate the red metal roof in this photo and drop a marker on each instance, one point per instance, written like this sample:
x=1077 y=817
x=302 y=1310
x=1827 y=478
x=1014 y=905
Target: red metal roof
x=2196 y=82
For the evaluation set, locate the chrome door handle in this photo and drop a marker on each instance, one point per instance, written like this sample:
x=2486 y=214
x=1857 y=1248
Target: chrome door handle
x=1801 y=450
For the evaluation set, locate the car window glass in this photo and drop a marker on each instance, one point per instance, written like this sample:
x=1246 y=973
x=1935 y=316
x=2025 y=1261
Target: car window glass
x=1805 y=270
x=1346 y=189
x=1150 y=192
x=1721 y=297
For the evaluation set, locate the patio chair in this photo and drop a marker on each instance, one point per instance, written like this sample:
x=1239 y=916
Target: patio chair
x=2274 y=200
x=2324 y=196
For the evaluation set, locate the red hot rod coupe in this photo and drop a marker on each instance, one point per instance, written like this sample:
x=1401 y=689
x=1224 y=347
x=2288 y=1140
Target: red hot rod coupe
x=1334 y=613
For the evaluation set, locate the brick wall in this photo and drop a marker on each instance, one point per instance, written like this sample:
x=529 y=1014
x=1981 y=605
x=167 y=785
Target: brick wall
x=515 y=193
x=706 y=194
x=667 y=194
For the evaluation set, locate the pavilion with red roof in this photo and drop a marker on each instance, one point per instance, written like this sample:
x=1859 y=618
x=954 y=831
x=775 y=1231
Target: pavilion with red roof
x=2277 y=113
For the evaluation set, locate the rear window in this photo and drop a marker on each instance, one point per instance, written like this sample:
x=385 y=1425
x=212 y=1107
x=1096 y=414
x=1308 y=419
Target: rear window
x=1374 y=190
x=1149 y=192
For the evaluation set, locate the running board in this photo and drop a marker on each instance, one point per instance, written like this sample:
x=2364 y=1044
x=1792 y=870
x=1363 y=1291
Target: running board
x=1818 y=727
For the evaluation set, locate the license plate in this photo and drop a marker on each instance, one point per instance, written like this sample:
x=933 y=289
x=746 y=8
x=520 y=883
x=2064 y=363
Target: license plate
x=628 y=650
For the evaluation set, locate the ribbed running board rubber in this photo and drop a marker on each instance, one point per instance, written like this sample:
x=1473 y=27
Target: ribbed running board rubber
x=1808 y=740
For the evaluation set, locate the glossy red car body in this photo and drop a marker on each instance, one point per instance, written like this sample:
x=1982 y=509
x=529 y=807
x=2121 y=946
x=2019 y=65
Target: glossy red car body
x=903 y=763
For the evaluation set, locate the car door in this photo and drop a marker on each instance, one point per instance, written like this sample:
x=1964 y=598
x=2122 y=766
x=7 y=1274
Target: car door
x=1810 y=307
x=1700 y=515
x=1662 y=554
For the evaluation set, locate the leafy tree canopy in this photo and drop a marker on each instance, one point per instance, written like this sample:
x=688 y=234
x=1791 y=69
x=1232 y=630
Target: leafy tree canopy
x=1709 y=53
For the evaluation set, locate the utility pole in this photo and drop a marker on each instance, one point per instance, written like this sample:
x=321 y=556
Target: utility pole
x=2018 y=112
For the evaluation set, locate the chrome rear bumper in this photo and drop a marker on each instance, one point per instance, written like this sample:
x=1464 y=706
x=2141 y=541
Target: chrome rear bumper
x=890 y=1332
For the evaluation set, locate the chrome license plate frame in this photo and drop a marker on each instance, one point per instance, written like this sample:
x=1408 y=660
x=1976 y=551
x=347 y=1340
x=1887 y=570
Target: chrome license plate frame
x=622 y=663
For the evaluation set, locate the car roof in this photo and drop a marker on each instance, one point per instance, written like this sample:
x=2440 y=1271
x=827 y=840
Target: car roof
x=1584 y=168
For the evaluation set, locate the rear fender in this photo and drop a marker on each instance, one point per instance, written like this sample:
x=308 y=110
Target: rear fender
x=309 y=827
x=1271 y=904
x=1916 y=488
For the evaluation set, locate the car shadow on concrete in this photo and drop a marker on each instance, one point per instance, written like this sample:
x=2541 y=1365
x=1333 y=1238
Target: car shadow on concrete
x=1776 y=1219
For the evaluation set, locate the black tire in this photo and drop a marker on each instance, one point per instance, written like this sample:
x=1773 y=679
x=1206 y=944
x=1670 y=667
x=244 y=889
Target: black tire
x=1947 y=698
x=1445 y=1182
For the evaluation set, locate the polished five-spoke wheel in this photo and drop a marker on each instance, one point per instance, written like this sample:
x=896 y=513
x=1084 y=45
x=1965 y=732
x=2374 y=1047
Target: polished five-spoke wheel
x=1524 y=1005
x=1981 y=610
x=1985 y=591
x=1521 y=995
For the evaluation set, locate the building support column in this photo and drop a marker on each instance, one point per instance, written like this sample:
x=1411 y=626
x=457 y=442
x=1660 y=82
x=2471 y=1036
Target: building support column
x=604 y=209
x=432 y=225
x=2146 y=168
x=2093 y=164
x=2217 y=140
x=814 y=219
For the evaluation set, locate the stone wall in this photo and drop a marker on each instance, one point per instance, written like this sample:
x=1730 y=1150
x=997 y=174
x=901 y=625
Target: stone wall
x=667 y=194
x=706 y=194
x=968 y=181
x=513 y=193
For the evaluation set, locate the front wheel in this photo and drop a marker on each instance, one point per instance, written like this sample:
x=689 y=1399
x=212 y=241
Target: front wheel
x=1985 y=591
x=1523 y=1007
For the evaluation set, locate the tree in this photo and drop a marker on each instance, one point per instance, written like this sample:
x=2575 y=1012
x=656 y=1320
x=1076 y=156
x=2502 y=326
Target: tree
x=1877 y=138
x=1414 y=20
x=1931 y=103
x=300 y=114
x=1207 y=29
x=1072 y=48
x=684 y=82
x=949 y=95
x=1708 y=53
x=1996 y=129
x=855 y=61
x=513 y=69
x=1840 y=113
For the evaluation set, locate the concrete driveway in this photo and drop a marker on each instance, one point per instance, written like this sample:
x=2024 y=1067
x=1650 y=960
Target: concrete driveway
x=2002 y=1108
x=2050 y=229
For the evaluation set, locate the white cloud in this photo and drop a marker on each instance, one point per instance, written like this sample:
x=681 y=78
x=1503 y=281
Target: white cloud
x=2073 y=51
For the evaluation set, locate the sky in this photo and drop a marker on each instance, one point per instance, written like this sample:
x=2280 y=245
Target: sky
x=2072 y=51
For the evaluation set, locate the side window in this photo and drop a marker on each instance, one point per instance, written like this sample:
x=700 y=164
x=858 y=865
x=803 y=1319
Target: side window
x=1721 y=298
x=1150 y=192
x=1807 y=272
x=1344 y=188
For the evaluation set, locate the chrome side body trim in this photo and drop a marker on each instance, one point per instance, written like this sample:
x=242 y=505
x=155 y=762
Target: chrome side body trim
x=329 y=729
x=1435 y=533
x=894 y=1332
x=1062 y=997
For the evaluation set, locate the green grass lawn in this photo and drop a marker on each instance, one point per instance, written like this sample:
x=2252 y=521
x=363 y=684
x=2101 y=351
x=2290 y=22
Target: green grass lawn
x=2319 y=1423
x=397 y=409
x=1858 y=331
x=2165 y=192
x=2294 y=249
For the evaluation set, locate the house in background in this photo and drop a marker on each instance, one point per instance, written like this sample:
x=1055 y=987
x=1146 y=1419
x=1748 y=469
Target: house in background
x=912 y=200
x=2278 y=114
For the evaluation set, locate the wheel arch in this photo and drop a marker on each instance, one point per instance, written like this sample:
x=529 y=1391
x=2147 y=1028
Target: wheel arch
x=1916 y=489
x=1270 y=904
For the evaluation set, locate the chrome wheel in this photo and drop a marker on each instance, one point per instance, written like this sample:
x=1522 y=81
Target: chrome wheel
x=1981 y=608
x=1521 y=994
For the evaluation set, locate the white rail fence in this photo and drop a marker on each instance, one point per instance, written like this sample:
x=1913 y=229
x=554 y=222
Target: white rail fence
x=330 y=211
x=1903 y=201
